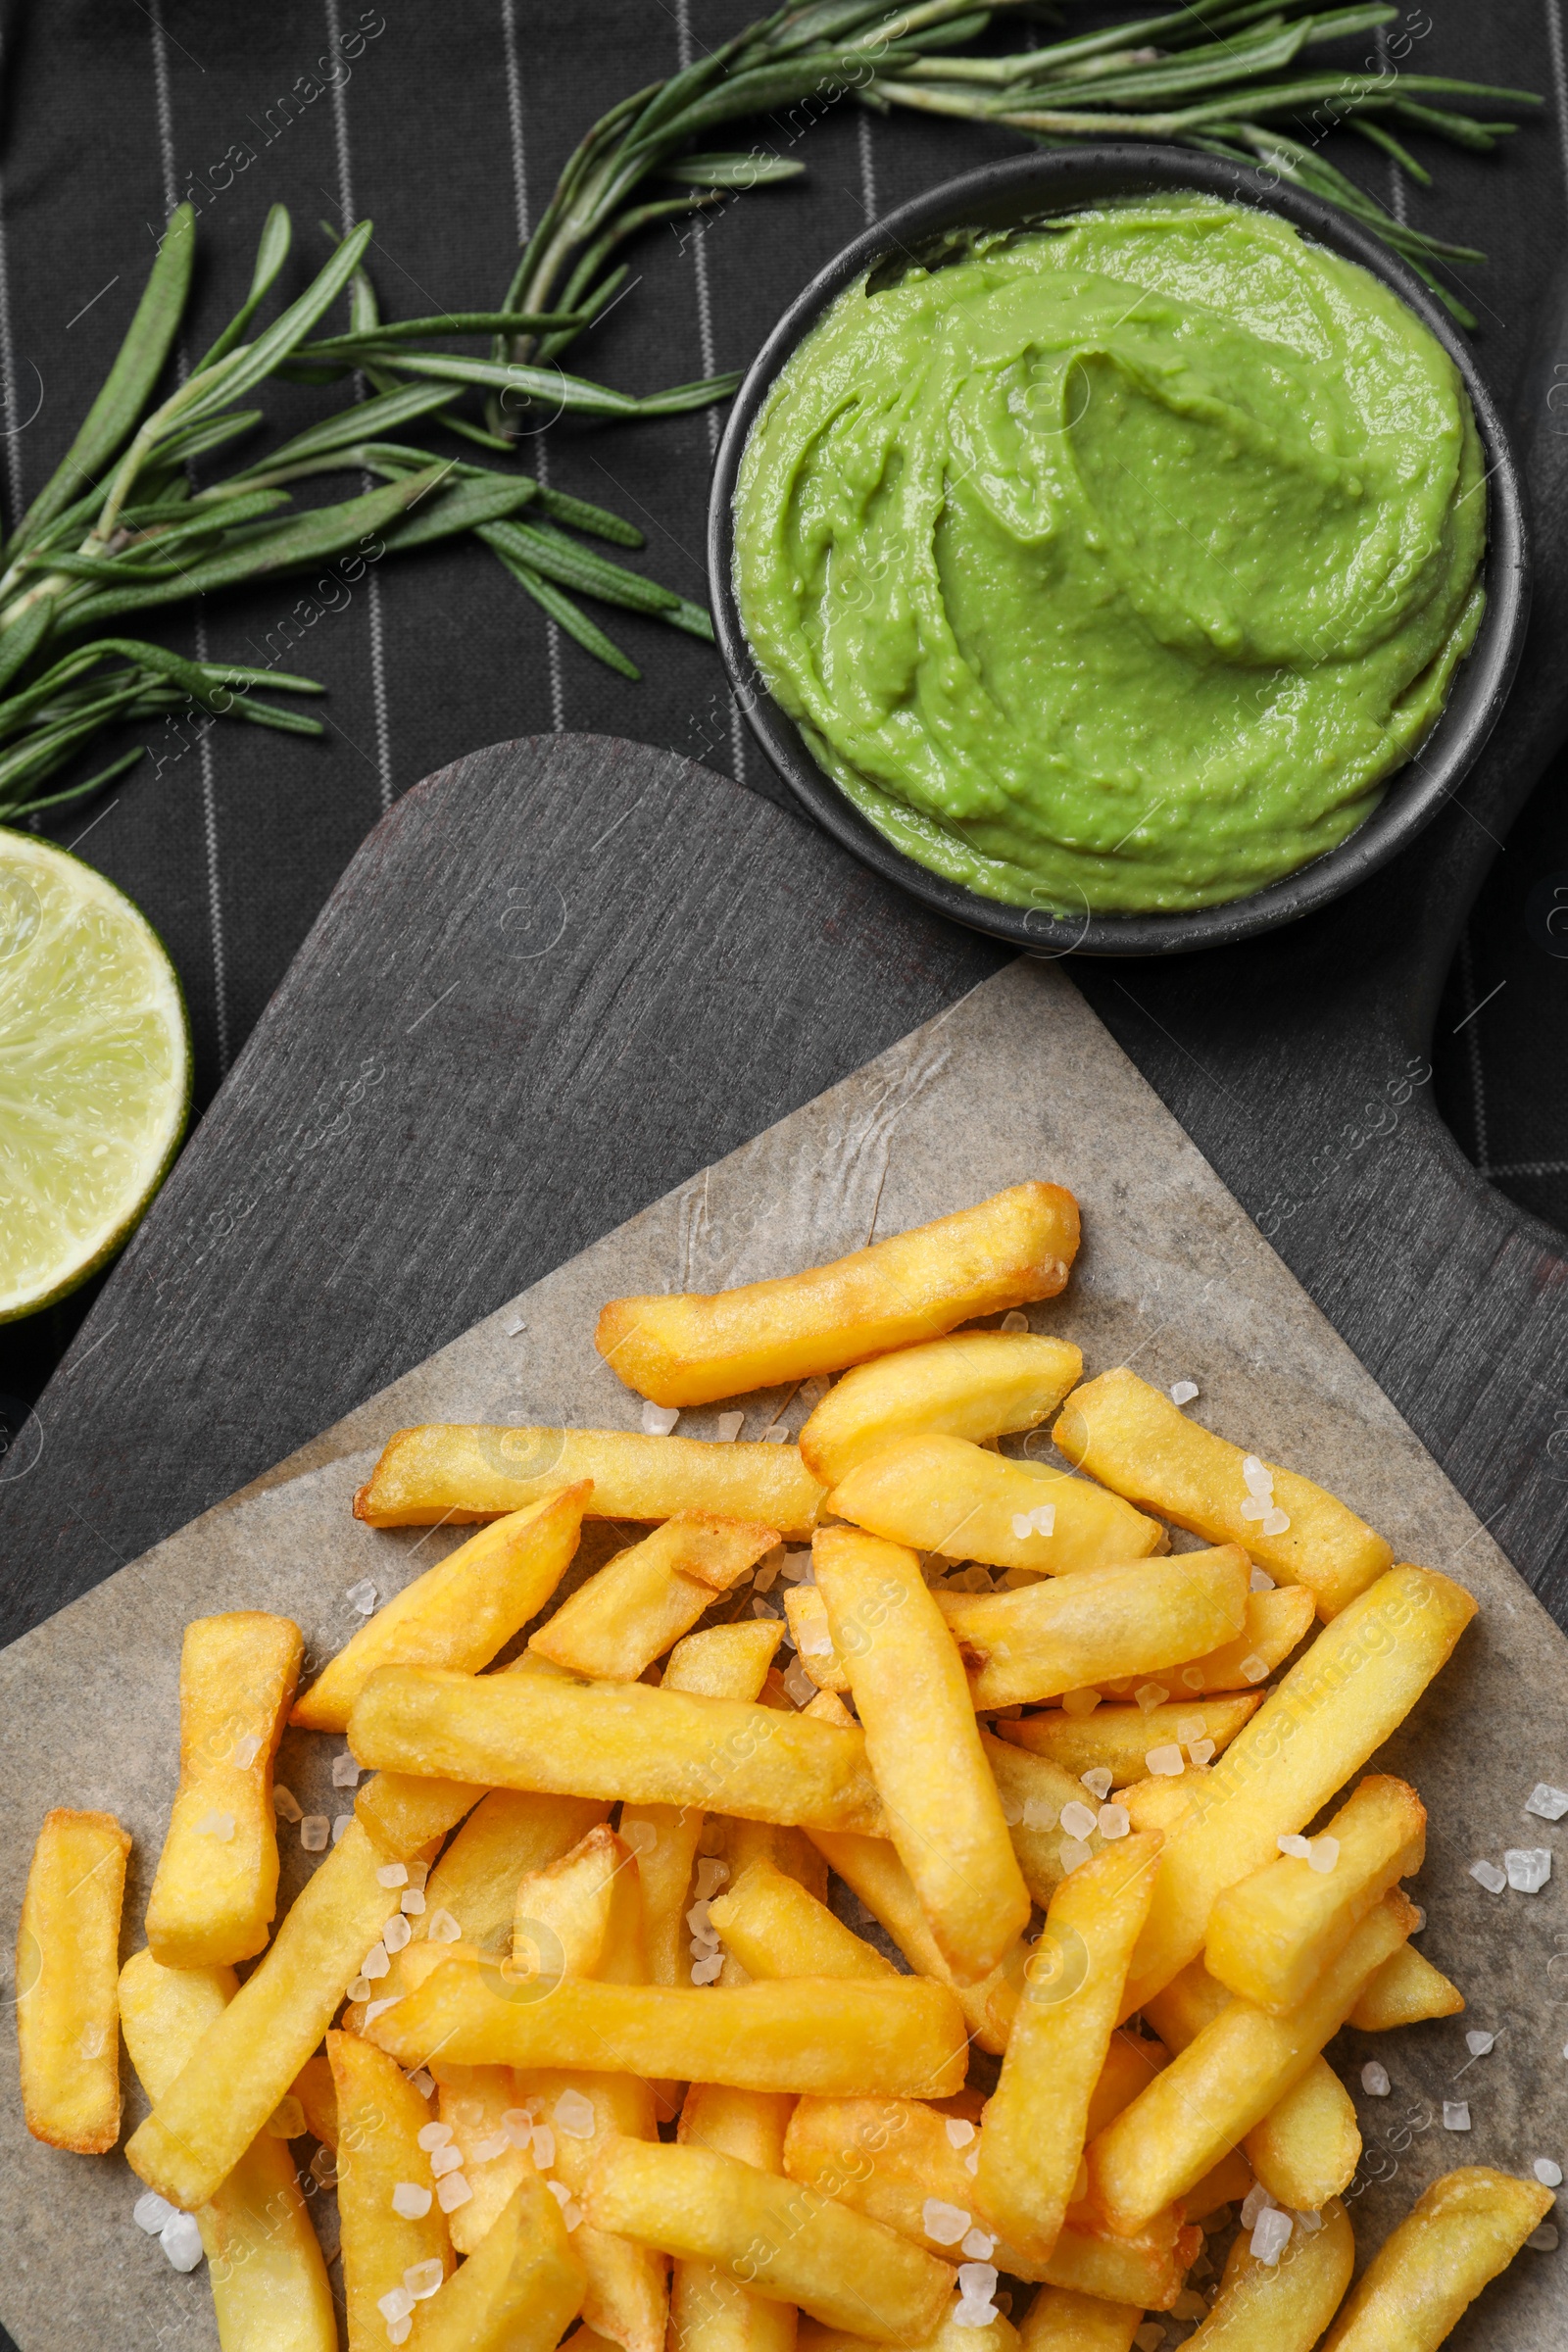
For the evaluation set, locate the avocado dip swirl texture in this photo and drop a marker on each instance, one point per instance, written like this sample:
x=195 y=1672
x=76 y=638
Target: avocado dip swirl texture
x=1115 y=564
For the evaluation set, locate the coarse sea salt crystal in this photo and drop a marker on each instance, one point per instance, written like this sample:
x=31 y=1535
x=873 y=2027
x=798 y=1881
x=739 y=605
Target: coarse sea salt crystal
x=453 y=2191
x=342 y=1822
x=1529 y=1867
x=1489 y=1876
x=397 y=1932
x=485 y=2151
x=1292 y=1843
x=423 y=2083
x=1151 y=1695
x=445 y=2160
x=1183 y=1391
x=711 y=1875
x=1192 y=1676
x=362 y=1597
x=979 y=2245
x=1115 y=1821
x=1258 y=1477
x=1260 y=1580
x=434 y=2135
x=376 y=1962
x=1322 y=1853
x=1548 y=2170
x=959 y=2132
x=977 y=2281
x=1456 y=2115
x=392 y=1874
x=1072 y=1853
x=247 y=1751
x=1200 y=1751
x=972 y=2162
x=1257 y=2200
x=1167 y=1760
x=314 y=1832
x=443 y=1928
x=728 y=1427
x=181 y=2240
x=1276 y=1522
x=1547 y=1802
x=1478 y=2042
x=1254 y=1668
x=395 y=2304
x=659 y=1419
x=1544 y=2239
x=1271 y=2234
x=151 y=2211
x=285 y=1804
x=1098 y=1780
x=945 y=2223
x=575 y=2115
x=517 y=1325
x=1078 y=1704
x=422 y=2279
x=375 y=2009
x=1022 y=1526
x=411 y=2201
x=398 y=2331
x=708 y=1971
x=345 y=1771
x=1013 y=1320
x=1375 y=2079
x=359 y=1989
x=543 y=2145
x=1078 y=1819
x=214 y=1824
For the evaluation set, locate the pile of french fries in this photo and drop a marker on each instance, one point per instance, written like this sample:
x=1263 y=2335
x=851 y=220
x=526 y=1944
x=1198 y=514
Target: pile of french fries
x=573 y=2006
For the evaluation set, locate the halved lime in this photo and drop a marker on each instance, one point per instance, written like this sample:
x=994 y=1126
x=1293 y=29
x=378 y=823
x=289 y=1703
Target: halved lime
x=94 y=1071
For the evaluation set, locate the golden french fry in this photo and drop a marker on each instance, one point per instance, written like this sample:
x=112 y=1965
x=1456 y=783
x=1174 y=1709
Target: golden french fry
x=723 y=1661
x=691 y=1349
x=1227 y=2080
x=1135 y=1440
x=871 y=1869
x=625 y=2293
x=582 y=1916
x=515 y=2294
x=207 y=2118
x=268 y=2281
x=1339 y=1702
x=975 y=1385
x=615 y=1739
x=1275 y=1623
x=475 y=2101
x=998 y=2334
x=828 y=1707
x=905 y=2036
x=779 y=2239
x=1271 y=1933
x=317 y=2093
x=923 y=1747
x=1032 y=2139
x=775 y=1929
x=1403 y=1992
x=215 y=1890
x=381 y=2117
x=708 y=2310
x=1456 y=2240
x=944 y=1494
x=403 y=1811
x=449 y=1472
x=67 y=1969
x=645 y=1598
x=1224 y=2183
x=1073 y=1630
x=461 y=1612
x=1122 y=1737
x=1058 y=2321
x=1033 y=1791
x=1283 y=2306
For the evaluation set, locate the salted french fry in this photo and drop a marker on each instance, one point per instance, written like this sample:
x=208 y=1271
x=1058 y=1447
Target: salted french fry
x=779 y=2239
x=806 y=1612
x=1271 y=1933
x=1033 y=1791
x=625 y=2291
x=1456 y=2240
x=475 y=2101
x=708 y=2310
x=1339 y=1702
x=775 y=1929
x=946 y=1496
x=1122 y=1737
x=1403 y=1992
x=998 y=2334
x=1070 y=1631
x=799 y=2034
x=1283 y=2306
x=1227 y=2080
x=461 y=1612
x=449 y=1472
x=615 y=1739
x=517 y=2293
x=871 y=1869
x=67 y=1969
x=787 y=1850
x=389 y=2212
x=402 y=1811
x=568 y=1916
x=270 y=2285
x=1224 y=2183
x=923 y=1747
x=1275 y=1623
x=215 y=1890
x=645 y=1598
x=1032 y=2139
x=1135 y=1440
x=317 y=2093
x=828 y=1707
x=975 y=1385
x=202 y=2124
x=727 y=1661
x=691 y=1349
x=1058 y=2321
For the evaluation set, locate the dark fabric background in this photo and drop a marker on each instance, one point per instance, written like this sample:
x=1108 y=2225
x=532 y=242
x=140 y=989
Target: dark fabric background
x=448 y=129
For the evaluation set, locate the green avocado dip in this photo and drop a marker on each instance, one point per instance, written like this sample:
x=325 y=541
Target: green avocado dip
x=1115 y=564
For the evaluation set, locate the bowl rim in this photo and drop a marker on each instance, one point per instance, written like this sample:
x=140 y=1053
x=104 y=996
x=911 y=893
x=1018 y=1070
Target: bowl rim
x=1053 y=184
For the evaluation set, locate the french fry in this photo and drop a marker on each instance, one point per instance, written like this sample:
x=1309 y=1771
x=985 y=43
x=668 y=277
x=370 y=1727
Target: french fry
x=943 y=1495
x=708 y=2310
x=800 y=2034
x=1032 y=2139
x=461 y=1612
x=727 y=1661
x=1058 y=2321
x=625 y=2293
x=1283 y=2306
x=381 y=2117
x=921 y=1742
x=871 y=1869
x=614 y=1739
x=787 y=1850
x=775 y=1929
x=1271 y=1934
x=1339 y=1702
x=1460 y=2235
x=1227 y=2080
x=1403 y=1992
x=806 y=1612
x=828 y=1707
x=517 y=2293
x=1122 y=1737
x=1033 y=1791
x=400 y=1811
x=1074 y=1630
x=475 y=2101
x=975 y=1385
x=208 y=2117
x=645 y=1598
x=317 y=2093
x=691 y=1349
x=998 y=2334
x=569 y=1917
x=779 y=2239
x=1136 y=1442
x=215 y=1890
x=449 y=1472
x=67 y=1969
x=1275 y=1623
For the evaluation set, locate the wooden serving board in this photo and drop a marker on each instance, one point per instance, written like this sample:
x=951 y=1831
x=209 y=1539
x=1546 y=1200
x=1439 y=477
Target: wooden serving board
x=496 y=1090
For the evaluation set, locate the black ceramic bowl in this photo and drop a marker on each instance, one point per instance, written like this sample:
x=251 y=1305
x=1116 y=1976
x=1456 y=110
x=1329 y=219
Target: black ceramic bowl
x=1009 y=195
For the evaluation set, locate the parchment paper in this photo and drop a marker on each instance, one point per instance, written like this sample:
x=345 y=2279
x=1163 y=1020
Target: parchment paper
x=1017 y=1080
